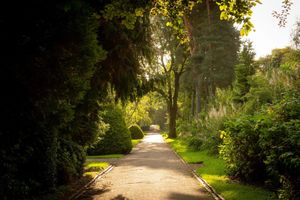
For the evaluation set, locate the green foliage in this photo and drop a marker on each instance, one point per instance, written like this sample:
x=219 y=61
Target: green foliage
x=49 y=73
x=214 y=48
x=265 y=147
x=296 y=35
x=172 y=57
x=260 y=137
x=136 y=132
x=215 y=44
x=158 y=115
x=213 y=172
x=206 y=129
x=117 y=139
x=243 y=70
x=239 y=11
x=260 y=93
x=59 y=59
x=241 y=150
x=195 y=143
x=122 y=10
x=137 y=112
x=69 y=162
x=281 y=144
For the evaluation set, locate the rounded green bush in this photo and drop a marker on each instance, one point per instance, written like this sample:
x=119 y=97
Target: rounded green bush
x=117 y=139
x=136 y=132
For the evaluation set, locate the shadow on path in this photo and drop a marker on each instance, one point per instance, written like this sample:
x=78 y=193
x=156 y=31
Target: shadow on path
x=151 y=172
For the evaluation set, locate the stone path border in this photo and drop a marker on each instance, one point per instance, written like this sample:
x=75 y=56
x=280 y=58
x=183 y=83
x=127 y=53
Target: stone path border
x=82 y=190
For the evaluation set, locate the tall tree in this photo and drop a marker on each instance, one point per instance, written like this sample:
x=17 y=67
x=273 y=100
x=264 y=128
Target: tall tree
x=296 y=35
x=214 y=45
x=58 y=71
x=172 y=59
x=243 y=70
x=59 y=59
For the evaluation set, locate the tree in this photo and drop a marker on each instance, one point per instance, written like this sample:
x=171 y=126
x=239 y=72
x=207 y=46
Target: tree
x=137 y=112
x=296 y=35
x=243 y=70
x=58 y=72
x=60 y=59
x=172 y=59
x=214 y=45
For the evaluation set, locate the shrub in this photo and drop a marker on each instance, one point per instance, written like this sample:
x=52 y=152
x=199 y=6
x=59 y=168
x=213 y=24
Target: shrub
x=281 y=146
x=195 y=143
x=266 y=147
x=136 y=132
x=241 y=151
x=70 y=160
x=117 y=139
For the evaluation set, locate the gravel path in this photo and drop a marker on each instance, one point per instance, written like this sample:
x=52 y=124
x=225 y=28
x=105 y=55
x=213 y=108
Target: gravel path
x=151 y=172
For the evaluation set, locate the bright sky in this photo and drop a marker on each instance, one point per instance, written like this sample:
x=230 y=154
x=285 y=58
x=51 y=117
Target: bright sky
x=268 y=34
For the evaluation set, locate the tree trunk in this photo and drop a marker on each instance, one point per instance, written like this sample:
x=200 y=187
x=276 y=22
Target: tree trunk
x=198 y=98
x=172 y=123
x=193 y=103
x=173 y=108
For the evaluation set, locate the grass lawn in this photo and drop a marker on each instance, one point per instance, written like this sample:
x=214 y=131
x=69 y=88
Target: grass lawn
x=135 y=142
x=213 y=172
x=93 y=168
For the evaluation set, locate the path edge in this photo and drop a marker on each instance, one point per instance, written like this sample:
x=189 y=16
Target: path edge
x=82 y=190
x=208 y=187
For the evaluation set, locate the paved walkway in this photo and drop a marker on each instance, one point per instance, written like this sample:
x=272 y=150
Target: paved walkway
x=151 y=172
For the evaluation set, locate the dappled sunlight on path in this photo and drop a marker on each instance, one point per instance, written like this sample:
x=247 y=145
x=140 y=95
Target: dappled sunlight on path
x=153 y=138
x=152 y=171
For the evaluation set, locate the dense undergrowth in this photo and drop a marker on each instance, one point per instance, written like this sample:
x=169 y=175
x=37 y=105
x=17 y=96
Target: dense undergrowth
x=255 y=126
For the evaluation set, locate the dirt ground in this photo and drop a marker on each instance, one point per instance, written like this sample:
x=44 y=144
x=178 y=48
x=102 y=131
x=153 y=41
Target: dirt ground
x=151 y=172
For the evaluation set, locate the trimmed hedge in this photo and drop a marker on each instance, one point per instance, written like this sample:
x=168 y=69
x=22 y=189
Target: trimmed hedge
x=69 y=162
x=117 y=139
x=136 y=132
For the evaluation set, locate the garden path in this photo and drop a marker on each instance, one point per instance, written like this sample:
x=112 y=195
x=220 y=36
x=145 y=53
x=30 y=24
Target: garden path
x=152 y=171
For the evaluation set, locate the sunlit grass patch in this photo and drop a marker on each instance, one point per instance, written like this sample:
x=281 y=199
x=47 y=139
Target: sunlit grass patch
x=96 y=165
x=91 y=169
x=213 y=172
x=177 y=145
x=236 y=191
x=135 y=142
x=90 y=174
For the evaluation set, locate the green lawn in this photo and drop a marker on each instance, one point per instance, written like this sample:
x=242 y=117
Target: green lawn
x=135 y=142
x=213 y=172
x=93 y=168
